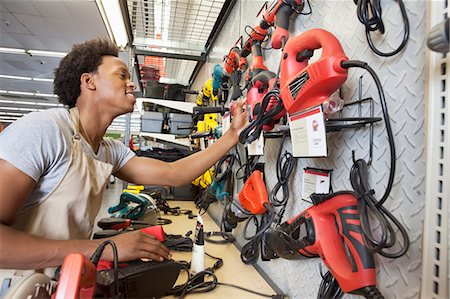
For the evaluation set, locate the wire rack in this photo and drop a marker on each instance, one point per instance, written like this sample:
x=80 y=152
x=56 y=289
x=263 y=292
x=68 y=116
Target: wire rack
x=179 y=27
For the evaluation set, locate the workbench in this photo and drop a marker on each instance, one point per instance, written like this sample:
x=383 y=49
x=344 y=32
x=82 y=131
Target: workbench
x=233 y=271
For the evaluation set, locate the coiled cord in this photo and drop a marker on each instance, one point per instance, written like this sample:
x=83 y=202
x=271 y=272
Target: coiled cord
x=359 y=181
x=253 y=130
x=375 y=23
x=285 y=165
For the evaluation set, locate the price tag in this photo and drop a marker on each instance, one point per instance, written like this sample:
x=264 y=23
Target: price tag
x=256 y=148
x=308 y=133
x=315 y=181
x=211 y=140
x=226 y=121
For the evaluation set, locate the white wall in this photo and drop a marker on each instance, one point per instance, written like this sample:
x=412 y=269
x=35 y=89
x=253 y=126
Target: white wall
x=403 y=79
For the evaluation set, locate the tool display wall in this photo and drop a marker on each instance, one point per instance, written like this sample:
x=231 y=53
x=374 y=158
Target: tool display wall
x=403 y=79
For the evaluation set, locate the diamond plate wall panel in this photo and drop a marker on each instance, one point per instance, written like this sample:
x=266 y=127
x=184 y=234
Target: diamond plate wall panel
x=403 y=79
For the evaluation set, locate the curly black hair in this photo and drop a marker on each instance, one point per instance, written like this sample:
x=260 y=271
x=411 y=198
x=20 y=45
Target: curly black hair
x=83 y=58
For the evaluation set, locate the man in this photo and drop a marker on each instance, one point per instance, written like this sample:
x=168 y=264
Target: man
x=54 y=165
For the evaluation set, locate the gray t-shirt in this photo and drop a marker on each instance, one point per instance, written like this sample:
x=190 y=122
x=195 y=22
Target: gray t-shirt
x=39 y=145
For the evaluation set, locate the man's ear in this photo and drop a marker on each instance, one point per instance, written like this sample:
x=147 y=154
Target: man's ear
x=87 y=81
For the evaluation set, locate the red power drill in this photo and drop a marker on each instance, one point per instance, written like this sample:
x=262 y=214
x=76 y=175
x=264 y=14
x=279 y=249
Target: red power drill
x=306 y=85
x=278 y=15
x=331 y=229
x=258 y=88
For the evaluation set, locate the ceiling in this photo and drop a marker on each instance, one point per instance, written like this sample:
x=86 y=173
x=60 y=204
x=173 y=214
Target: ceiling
x=177 y=33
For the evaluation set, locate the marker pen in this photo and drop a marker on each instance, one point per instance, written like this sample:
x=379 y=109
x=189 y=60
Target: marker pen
x=198 y=249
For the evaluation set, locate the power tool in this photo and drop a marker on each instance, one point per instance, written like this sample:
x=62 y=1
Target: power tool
x=234 y=65
x=251 y=200
x=264 y=104
x=221 y=184
x=305 y=85
x=278 y=14
x=330 y=229
x=136 y=207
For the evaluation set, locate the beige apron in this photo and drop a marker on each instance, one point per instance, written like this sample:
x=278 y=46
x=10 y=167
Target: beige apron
x=69 y=211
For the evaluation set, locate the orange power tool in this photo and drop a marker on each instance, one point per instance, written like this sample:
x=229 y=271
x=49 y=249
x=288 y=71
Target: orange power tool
x=331 y=230
x=305 y=85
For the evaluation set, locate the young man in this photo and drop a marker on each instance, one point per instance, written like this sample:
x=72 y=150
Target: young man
x=54 y=165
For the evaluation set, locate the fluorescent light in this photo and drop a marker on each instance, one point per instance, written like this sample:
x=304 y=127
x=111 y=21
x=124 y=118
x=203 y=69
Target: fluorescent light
x=42 y=79
x=32 y=52
x=12 y=50
x=37 y=94
x=25 y=93
x=15 y=77
x=46 y=53
x=7 y=120
x=113 y=20
x=20 y=109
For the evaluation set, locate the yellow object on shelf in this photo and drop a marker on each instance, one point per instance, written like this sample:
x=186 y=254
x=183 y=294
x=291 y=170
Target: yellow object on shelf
x=131 y=191
x=135 y=187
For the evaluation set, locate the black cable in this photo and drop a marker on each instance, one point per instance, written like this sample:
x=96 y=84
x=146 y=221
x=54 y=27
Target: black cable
x=359 y=181
x=329 y=287
x=192 y=285
x=369 y=14
x=253 y=130
x=285 y=165
x=226 y=237
x=95 y=258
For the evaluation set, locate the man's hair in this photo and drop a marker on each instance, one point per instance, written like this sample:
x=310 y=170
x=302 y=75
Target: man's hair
x=83 y=58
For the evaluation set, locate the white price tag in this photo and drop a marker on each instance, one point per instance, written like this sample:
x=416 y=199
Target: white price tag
x=226 y=121
x=308 y=133
x=211 y=140
x=256 y=148
x=315 y=181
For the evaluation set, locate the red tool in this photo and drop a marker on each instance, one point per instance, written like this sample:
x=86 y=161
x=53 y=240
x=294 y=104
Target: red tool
x=332 y=230
x=258 y=34
x=253 y=196
x=233 y=61
x=306 y=85
x=257 y=61
x=278 y=15
x=251 y=200
x=78 y=278
x=258 y=88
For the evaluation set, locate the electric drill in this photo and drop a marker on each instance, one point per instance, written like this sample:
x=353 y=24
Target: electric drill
x=258 y=88
x=305 y=85
x=278 y=15
x=330 y=229
x=234 y=65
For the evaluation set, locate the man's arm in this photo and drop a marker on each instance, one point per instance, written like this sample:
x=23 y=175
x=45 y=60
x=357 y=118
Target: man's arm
x=19 y=250
x=147 y=171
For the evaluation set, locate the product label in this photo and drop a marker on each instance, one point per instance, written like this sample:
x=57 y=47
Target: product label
x=315 y=181
x=308 y=133
x=256 y=148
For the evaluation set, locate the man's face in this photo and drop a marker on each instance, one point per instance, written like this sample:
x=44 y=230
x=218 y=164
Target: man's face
x=113 y=86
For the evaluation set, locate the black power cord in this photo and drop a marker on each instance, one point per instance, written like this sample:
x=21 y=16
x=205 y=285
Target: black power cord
x=369 y=14
x=95 y=258
x=199 y=284
x=367 y=201
x=329 y=287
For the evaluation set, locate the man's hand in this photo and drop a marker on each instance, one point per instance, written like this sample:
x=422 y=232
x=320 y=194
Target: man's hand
x=136 y=245
x=240 y=118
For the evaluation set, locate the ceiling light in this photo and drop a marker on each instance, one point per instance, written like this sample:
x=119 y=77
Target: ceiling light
x=12 y=50
x=46 y=53
x=37 y=94
x=6 y=120
x=32 y=52
x=15 y=77
x=42 y=79
x=113 y=19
